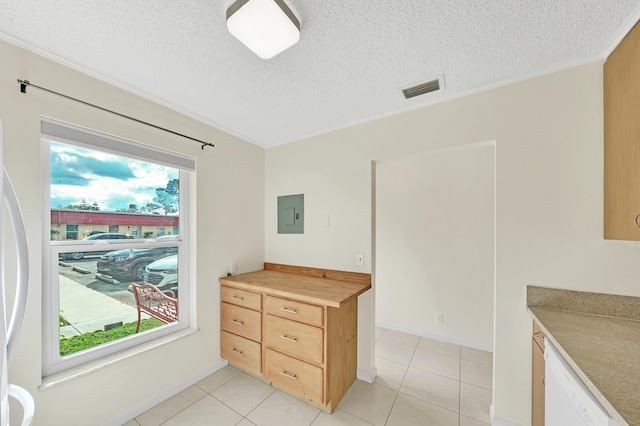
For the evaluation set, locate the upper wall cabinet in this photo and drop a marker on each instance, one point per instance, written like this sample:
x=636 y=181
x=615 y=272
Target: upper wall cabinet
x=622 y=140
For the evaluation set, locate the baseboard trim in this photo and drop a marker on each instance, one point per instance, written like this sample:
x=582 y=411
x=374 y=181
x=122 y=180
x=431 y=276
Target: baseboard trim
x=159 y=397
x=496 y=421
x=448 y=339
x=367 y=376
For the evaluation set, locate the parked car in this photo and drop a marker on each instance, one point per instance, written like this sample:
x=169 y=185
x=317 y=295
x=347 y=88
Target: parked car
x=163 y=273
x=101 y=236
x=124 y=265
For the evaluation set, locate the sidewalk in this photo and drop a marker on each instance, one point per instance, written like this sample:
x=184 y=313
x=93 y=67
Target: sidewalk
x=88 y=310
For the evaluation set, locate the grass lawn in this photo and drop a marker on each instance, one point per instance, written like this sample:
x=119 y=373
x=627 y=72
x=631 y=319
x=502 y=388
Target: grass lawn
x=71 y=345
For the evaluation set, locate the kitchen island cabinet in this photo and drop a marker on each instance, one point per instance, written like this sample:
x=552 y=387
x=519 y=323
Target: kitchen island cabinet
x=295 y=328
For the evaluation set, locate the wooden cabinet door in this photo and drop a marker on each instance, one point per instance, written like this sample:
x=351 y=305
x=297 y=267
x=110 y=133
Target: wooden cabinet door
x=622 y=140
x=537 y=377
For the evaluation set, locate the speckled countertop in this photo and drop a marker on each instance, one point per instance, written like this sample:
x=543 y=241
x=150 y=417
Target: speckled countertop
x=599 y=336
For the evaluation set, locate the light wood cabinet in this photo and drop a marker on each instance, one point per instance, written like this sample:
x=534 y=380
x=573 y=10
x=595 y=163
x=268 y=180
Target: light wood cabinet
x=242 y=352
x=241 y=324
x=537 y=376
x=308 y=329
x=294 y=376
x=295 y=311
x=298 y=340
x=622 y=140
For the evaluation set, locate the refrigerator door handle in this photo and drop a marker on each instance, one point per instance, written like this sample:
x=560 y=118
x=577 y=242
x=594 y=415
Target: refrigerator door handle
x=26 y=400
x=22 y=252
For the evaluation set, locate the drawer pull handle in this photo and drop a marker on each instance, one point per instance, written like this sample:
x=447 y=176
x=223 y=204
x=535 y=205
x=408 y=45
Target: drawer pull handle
x=237 y=298
x=290 y=311
x=291 y=376
x=234 y=350
x=289 y=339
x=237 y=322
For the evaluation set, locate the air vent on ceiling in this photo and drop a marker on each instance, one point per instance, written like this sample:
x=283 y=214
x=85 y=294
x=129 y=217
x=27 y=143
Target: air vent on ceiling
x=421 y=89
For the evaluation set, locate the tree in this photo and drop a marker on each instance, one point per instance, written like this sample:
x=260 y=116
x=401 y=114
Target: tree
x=168 y=197
x=150 y=208
x=83 y=205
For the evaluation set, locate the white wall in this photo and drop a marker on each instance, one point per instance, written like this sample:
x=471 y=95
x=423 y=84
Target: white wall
x=337 y=183
x=228 y=189
x=548 y=134
x=549 y=202
x=435 y=229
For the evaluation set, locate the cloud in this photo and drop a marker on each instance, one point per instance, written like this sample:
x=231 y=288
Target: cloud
x=122 y=201
x=73 y=167
x=62 y=174
x=112 y=181
x=62 y=201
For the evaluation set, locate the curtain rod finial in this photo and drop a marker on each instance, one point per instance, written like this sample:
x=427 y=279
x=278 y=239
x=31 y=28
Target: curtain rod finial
x=23 y=85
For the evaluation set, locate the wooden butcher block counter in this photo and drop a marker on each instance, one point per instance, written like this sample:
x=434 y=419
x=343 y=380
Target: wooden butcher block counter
x=294 y=327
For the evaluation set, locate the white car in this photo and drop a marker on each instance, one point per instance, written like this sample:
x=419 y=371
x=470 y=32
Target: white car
x=163 y=273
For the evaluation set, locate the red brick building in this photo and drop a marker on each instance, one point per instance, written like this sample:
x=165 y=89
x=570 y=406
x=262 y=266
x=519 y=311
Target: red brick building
x=77 y=224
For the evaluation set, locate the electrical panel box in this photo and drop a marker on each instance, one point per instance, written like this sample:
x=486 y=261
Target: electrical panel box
x=291 y=214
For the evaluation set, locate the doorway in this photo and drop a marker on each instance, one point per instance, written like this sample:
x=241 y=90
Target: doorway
x=434 y=244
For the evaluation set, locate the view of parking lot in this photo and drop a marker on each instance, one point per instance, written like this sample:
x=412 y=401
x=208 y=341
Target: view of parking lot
x=114 y=221
x=117 y=291
x=90 y=301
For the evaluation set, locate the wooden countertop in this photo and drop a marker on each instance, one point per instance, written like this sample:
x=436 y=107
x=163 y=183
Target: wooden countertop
x=604 y=351
x=301 y=286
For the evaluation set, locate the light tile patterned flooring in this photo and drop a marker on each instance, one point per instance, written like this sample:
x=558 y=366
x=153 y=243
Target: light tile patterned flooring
x=420 y=382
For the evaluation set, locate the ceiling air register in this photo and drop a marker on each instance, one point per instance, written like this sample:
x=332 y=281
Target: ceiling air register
x=421 y=89
x=267 y=27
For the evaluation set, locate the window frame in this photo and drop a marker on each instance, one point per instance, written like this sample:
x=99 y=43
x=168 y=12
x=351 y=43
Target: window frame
x=67 y=232
x=52 y=362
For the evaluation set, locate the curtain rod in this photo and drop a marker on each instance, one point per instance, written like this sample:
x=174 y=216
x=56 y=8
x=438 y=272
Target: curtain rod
x=25 y=83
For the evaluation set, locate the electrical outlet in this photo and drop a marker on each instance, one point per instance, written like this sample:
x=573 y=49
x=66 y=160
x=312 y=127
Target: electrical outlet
x=360 y=259
x=439 y=318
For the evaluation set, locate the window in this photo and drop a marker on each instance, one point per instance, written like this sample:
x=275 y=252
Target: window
x=107 y=191
x=72 y=232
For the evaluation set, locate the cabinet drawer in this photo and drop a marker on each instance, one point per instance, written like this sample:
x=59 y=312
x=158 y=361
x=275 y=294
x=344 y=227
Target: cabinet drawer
x=244 y=322
x=293 y=375
x=244 y=298
x=242 y=352
x=299 y=340
x=296 y=311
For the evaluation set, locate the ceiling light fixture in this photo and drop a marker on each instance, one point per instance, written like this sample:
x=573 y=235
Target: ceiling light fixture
x=267 y=27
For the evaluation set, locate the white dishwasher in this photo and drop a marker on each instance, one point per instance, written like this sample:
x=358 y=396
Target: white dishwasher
x=567 y=400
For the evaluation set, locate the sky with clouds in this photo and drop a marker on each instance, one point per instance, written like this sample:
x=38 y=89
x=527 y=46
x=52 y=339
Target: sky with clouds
x=112 y=181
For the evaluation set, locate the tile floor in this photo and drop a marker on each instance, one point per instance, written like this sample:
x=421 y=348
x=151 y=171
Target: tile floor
x=420 y=382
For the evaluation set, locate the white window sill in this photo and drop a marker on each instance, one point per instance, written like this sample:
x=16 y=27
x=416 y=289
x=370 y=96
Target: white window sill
x=88 y=368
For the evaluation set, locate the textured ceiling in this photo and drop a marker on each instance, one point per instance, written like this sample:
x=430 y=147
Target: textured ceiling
x=352 y=59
